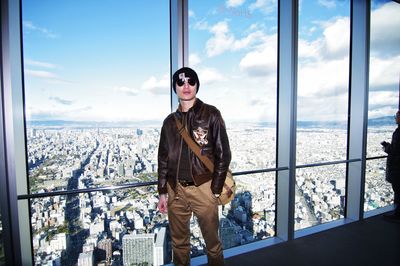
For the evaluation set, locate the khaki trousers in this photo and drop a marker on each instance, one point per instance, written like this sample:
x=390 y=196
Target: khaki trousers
x=200 y=201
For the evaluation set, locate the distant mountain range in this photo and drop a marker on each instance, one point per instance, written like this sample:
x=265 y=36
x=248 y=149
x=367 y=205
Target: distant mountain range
x=376 y=122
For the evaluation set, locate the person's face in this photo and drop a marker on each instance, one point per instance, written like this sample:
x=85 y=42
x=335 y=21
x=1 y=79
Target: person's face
x=397 y=117
x=186 y=89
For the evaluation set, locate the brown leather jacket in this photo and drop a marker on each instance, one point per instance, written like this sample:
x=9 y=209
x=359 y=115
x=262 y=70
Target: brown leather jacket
x=206 y=126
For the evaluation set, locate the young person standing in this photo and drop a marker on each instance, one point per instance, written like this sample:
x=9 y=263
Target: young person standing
x=185 y=185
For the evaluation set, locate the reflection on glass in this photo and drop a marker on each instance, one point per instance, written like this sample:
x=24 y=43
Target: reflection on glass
x=384 y=69
x=378 y=192
x=323 y=71
x=320 y=195
x=233 y=47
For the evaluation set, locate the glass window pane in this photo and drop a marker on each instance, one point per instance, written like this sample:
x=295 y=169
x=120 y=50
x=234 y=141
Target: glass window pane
x=320 y=195
x=233 y=47
x=378 y=192
x=322 y=106
x=323 y=77
x=384 y=94
x=97 y=90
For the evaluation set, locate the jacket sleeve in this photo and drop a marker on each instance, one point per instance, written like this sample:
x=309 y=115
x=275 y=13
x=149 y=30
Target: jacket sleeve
x=222 y=153
x=162 y=162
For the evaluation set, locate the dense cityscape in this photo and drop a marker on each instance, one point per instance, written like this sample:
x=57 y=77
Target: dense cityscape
x=124 y=227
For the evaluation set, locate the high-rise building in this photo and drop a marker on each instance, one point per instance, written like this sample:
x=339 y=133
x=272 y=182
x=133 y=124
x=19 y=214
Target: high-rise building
x=138 y=249
x=160 y=247
x=104 y=248
x=86 y=259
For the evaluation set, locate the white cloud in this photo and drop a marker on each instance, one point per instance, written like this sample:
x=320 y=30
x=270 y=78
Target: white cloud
x=41 y=74
x=384 y=72
x=157 y=86
x=209 y=75
x=247 y=41
x=383 y=111
x=380 y=99
x=337 y=37
x=327 y=3
x=221 y=41
x=127 y=90
x=194 y=59
x=61 y=101
x=29 y=26
x=48 y=76
x=191 y=14
x=309 y=49
x=323 y=78
x=234 y=3
x=265 y=6
x=259 y=63
x=385 y=23
x=334 y=42
x=201 y=25
x=322 y=109
x=29 y=62
x=263 y=60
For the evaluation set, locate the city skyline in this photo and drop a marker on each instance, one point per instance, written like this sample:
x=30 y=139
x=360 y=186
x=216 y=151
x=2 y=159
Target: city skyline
x=70 y=226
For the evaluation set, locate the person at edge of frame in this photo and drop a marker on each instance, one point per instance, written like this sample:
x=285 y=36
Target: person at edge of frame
x=393 y=168
x=185 y=185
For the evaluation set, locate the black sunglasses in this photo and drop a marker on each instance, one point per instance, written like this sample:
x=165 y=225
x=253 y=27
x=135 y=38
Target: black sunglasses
x=191 y=82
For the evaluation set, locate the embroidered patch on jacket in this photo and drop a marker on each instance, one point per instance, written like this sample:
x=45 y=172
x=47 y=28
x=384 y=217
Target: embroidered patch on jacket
x=200 y=136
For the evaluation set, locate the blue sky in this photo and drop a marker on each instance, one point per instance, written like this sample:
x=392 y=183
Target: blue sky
x=109 y=60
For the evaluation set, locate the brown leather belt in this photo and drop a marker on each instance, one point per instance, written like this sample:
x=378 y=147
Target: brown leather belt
x=185 y=183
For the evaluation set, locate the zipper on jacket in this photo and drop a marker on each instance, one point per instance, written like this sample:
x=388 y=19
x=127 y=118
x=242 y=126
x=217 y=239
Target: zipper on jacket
x=180 y=152
x=179 y=160
x=191 y=166
x=189 y=150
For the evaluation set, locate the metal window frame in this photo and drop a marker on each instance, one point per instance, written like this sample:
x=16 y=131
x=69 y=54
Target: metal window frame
x=179 y=32
x=14 y=135
x=358 y=108
x=286 y=118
